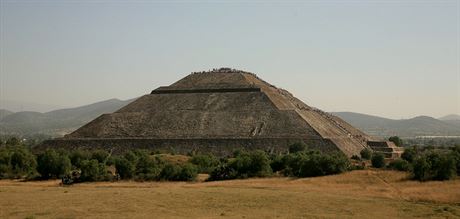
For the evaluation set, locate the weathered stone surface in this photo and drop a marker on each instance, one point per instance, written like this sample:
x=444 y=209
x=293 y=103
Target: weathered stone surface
x=217 y=111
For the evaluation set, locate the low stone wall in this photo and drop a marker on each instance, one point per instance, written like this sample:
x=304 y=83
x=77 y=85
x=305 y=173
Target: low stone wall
x=218 y=147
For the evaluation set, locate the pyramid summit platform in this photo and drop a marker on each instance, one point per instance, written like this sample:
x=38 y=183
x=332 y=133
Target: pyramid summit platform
x=217 y=112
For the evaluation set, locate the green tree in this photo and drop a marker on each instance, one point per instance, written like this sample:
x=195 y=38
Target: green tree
x=92 y=170
x=125 y=168
x=22 y=162
x=297 y=147
x=170 y=172
x=397 y=140
x=5 y=165
x=409 y=154
x=100 y=155
x=189 y=172
x=400 y=164
x=366 y=154
x=78 y=156
x=52 y=164
x=378 y=160
x=421 y=170
x=205 y=163
x=13 y=141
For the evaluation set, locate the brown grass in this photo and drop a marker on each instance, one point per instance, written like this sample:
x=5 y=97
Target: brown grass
x=357 y=194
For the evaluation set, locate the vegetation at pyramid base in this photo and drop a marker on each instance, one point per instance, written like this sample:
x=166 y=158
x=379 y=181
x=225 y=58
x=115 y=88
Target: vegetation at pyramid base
x=17 y=162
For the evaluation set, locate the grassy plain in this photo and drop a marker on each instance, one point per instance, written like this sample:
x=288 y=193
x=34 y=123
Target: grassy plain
x=357 y=194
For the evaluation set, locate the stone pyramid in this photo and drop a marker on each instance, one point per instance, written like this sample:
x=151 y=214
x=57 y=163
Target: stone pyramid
x=217 y=111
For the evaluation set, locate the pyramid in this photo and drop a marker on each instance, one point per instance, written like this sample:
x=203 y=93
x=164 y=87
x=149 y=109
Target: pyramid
x=217 y=112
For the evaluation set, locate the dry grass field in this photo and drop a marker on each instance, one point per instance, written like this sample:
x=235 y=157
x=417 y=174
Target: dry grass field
x=357 y=194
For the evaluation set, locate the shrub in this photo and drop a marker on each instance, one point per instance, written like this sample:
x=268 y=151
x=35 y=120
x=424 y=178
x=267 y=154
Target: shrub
x=13 y=141
x=223 y=172
x=189 y=172
x=170 y=172
x=297 y=147
x=16 y=161
x=445 y=168
x=22 y=162
x=92 y=170
x=409 y=154
x=260 y=164
x=317 y=164
x=147 y=167
x=277 y=163
x=100 y=155
x=395 y=139
x=125 y=168
x=421 y=169
x=378 y=160
x=78 y=156
x=400 y=164
x=355 y=157
x=52 y=164
x=435 y=166
x=456 y=156
x=366 y=154
x=205 y=163
x=252 y=164
x=5 y=158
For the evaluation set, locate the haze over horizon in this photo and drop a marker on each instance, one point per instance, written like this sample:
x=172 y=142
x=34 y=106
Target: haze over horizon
x=391 y=59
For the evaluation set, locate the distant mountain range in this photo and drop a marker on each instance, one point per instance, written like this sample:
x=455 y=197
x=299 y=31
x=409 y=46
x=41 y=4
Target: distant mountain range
x=59 y=122
x=55 y=123
x=417 y=126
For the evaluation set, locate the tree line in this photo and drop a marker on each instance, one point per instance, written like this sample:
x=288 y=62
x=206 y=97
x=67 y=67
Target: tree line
x=18 y=162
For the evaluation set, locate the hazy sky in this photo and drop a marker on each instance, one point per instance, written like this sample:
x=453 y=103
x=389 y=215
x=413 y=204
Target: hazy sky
x=396 y=59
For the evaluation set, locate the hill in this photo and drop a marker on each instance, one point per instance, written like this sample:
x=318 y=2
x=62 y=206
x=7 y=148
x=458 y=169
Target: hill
x=63 y=121
x=4 y=113
x=383 y=127
x=58 y=122
x=450 y=117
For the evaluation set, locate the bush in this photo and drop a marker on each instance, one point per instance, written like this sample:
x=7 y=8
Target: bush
x=147 y=167
x=399 y=164
x=318 y=164
x=5 y=158
x=378 y=160
x=355 y=157
x=92 y=170
x=52 y=164
x=366 y=154
x=252 y=164
x=22 y=162
x=456 y=156
x=277 y=163
x=421 y=170
x=16 y=162
x=170 y=172
x=297 y=147
x=189 y=172
x=435 y=166
x=100 y=155
x=78 y=156
x=205 y=163
x=223 y=172
x=125 y=168
x=395 y=139
x=409 y=154
x=259 y=165
x=445 y=168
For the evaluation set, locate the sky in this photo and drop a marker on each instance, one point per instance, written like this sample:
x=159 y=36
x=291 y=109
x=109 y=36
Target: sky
x=396 y=59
